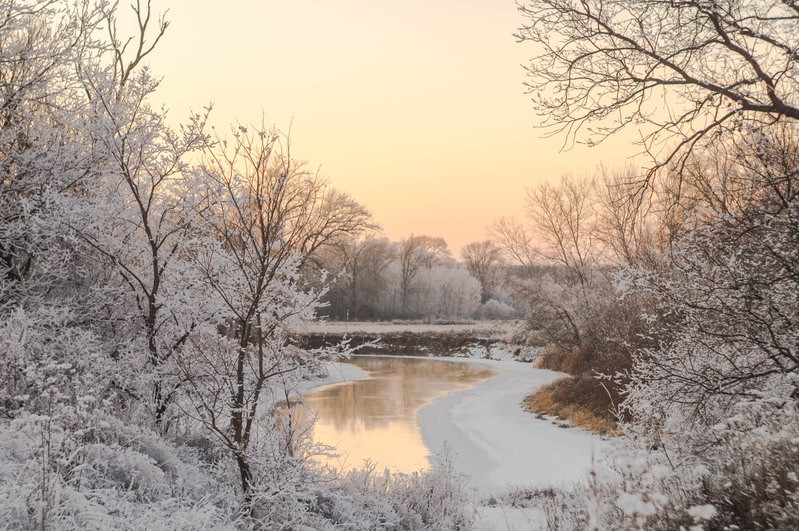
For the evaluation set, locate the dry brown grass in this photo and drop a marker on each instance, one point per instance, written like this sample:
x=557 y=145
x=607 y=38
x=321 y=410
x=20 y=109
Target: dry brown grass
x=583 y=402
x=554 y=359
x=583 y=399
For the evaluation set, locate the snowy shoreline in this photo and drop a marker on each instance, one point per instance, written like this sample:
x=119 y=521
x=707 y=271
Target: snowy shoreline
x=338 y=373
x=498 y=444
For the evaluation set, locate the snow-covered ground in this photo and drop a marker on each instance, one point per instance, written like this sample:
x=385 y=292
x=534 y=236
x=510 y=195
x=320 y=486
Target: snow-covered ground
x=500 y=446
x=497 y=443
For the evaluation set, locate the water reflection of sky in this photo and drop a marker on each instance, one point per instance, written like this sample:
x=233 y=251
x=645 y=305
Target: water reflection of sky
x=376 y=418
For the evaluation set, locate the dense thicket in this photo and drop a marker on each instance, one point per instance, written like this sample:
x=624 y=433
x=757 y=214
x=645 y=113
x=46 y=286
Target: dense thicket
x=678 y=285
x=148 y=276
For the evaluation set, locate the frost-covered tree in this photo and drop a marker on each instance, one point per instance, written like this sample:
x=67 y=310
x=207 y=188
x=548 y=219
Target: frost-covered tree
x=256 y=214
x=450 y=292
x=713 y=386
x=43 y=153
x=358 y=266
x=417 y=252
x=627 y=232
x=134 y=216
x=558 y=252
x=604 y=65
x=336 y=216
x=56 y=313
x=45 y=157
x=483 y=260
x=372 y=279
x=731 y=284
x=712 y=394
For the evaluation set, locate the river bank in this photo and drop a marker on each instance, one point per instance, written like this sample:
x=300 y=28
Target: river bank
x=499 y=444
x=488 y=339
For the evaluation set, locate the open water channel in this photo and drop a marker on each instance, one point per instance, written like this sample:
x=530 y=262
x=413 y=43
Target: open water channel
x=375 y=418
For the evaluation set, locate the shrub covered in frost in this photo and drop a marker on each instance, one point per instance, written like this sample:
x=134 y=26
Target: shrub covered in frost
x=745 y=478
x=365 y=498
x=294 y=493
x=71 y=479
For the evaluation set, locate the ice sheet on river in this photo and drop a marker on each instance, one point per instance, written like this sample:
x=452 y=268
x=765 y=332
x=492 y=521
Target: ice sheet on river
x=497 y=443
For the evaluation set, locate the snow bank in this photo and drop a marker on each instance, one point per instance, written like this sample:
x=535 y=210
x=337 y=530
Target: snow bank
x=338 y=373
x=497 y=443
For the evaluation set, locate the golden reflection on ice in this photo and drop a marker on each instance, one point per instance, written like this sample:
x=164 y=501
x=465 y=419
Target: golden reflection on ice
x=375 y=419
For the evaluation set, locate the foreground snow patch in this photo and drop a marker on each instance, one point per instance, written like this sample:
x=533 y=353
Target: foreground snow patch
x=498 y=444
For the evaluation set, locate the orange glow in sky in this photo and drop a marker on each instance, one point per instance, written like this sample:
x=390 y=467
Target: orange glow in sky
x=415 y=108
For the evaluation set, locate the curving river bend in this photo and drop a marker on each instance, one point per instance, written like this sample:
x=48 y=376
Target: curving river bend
x=376 y=418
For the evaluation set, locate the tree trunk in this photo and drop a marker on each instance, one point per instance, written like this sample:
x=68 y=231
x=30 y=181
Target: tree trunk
x=246 y=475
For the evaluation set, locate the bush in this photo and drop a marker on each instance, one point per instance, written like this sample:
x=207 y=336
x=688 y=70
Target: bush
x=430 y=500
x=745 y=477
x=70 y=479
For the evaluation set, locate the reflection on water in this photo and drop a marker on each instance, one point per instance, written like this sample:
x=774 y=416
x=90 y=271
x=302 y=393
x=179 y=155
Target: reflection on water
x=376 y=418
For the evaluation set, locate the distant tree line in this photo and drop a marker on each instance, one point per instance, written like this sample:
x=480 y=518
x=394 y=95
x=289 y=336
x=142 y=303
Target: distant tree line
x=373 y=278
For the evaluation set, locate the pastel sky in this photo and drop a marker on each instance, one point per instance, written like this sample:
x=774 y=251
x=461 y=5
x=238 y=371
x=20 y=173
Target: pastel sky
x=416 y=107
